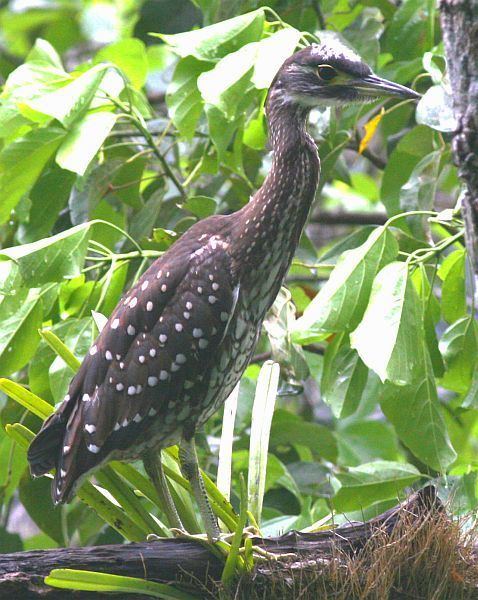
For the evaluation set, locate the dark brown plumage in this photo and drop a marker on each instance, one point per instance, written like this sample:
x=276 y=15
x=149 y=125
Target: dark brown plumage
x=177 y=344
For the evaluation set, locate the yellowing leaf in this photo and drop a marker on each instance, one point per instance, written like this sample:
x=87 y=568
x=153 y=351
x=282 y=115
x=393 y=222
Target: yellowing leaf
x=370 y=129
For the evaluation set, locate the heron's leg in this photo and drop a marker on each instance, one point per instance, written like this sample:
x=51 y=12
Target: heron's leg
x=190 y=468
x=154 y=468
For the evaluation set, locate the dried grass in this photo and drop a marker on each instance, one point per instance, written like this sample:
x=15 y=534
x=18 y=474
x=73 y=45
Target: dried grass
x=432 y=559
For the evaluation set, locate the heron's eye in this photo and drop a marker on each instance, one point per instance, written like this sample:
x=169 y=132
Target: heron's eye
x=326 y=73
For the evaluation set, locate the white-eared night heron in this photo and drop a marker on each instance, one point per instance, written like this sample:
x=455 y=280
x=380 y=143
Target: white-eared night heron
x=176 y=345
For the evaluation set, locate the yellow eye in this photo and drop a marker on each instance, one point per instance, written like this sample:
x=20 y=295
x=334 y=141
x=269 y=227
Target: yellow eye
x=326 y=72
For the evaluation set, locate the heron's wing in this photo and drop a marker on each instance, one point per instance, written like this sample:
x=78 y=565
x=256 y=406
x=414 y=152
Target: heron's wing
x=147 y=364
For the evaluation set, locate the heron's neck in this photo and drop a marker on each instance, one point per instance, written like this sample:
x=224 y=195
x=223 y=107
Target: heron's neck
x=271 y=224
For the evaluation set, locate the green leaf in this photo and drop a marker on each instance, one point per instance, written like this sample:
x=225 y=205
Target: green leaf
x=60 y=349
x=364 y=441
x=392 y=328
x=70 y=102
x=35 y=496
x=225 y=85
x=220 y=39
x=224 y=464
x=371 y=482
x=341 y=303
x=459 y=346
x=92 y=581
x=51 y=259
x=415 y=413
x=24 y=397
x=20 y=317
x=406 y=35
x=78 y=338
x=183 y=97
x=271 y=52
x=435 y=109
x=200 y=206
x=130 y=56
x=289 y=429
x=452 y=273
x=84 y=140
x=22 y=162
x=48 y=197
x=409 y=151
x=418 y=193
x=262 y=411
x=431 y=316
x=343 y=378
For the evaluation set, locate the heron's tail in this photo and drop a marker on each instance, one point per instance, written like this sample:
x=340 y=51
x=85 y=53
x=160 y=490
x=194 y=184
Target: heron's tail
x=44 y=450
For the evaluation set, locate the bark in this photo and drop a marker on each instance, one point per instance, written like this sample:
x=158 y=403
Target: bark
x=22 y=573
x=459 y=20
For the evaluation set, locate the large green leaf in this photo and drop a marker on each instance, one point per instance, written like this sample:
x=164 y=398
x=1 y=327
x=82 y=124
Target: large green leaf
x=453 y=289
x=271 y=53
x=391 y=330
x=215 y=41
x=406 y=37
x=459 y=347
x=341 y=303
x=415 y=413
x=289 y=430
x=48 y=197
x=35 y=496
x=409 y=151
x=70 y=102
x=78 y=339
x=431 y=316
x=183 y=97
x=51 y=259
x=20 y=318
x=224 y=85
x=363 y=441
x=371 y=482
x=435 y=109
x=418 y=193
x=84 y=140
x=343 y=378
x=130 y=56
x=22 y=162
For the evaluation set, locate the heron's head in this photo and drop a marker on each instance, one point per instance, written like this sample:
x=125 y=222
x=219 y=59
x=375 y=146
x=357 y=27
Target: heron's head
x=330 y=74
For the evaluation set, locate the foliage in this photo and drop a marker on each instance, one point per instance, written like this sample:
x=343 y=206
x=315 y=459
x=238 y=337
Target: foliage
x=107 y=159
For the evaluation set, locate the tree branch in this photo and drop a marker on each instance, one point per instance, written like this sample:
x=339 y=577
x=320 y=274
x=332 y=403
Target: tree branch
x=22 y=573
x=459 y=20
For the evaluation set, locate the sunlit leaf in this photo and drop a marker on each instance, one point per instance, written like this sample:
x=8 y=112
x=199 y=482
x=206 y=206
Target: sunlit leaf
x=51 y=259
x=341 y=302
x=20 y=317
x=371 y=482
x=435 y=109
x=220 y=39
x=391 y=328
x=22 y=162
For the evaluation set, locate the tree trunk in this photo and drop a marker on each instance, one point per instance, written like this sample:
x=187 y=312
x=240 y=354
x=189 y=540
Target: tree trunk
x=459 y=20
x=22 y=573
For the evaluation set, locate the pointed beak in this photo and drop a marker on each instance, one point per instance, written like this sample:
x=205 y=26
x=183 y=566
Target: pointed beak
x=376 y=86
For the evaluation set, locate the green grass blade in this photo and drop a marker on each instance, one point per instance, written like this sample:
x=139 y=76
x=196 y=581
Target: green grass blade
x=109 y=512
x=143 y=485
x=224 y=466
x=182 y=495
x=91 y=581
x=28 y=399
x=60 y=349
x=221 y=506
x=234 y=562
x=262 y=411
x=131 y=504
